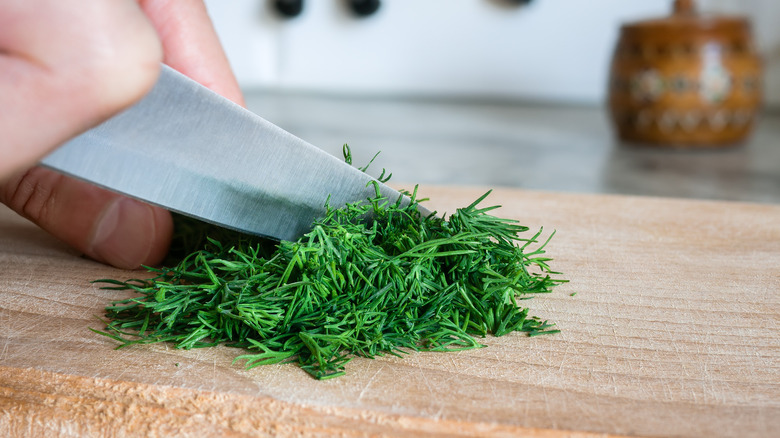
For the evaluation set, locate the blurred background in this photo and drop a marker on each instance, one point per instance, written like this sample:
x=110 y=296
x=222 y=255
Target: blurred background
x=487 y=92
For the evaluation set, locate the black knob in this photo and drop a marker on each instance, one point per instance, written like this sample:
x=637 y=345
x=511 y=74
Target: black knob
x=288 y=8
x=363 y=8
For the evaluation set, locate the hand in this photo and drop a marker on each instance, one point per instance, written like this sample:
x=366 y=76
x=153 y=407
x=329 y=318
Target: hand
x=67 y=65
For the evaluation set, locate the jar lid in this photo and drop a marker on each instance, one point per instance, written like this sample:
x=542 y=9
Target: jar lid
x=686 y=18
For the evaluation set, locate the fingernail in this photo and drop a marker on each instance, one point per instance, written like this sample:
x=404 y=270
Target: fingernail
x=122 y=236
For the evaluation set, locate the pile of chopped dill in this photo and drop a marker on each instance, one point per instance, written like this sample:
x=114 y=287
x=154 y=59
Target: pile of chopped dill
x=396 y=283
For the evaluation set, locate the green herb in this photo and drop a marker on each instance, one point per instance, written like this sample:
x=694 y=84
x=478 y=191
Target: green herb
x=395 y=283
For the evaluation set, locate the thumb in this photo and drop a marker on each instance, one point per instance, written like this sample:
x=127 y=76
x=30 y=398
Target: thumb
x=103 y=225
x=66 y=65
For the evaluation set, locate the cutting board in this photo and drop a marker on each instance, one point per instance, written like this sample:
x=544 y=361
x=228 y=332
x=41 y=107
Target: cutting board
x=670 y=326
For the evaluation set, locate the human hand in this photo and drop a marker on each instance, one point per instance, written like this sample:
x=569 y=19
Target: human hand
x=67 y=65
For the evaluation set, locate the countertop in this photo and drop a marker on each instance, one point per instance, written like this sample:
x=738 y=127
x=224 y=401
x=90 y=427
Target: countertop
x=669 y=324
x=541 y=147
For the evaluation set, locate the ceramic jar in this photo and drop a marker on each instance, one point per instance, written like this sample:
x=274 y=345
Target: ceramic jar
x=685 y=80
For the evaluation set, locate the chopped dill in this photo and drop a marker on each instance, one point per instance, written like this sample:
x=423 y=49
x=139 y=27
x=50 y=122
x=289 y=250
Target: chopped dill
x=395 y=283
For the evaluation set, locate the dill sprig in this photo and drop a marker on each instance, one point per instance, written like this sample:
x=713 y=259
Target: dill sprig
x=394 y=283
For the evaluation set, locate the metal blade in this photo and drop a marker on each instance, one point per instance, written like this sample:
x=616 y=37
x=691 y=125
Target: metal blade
x=187 y=149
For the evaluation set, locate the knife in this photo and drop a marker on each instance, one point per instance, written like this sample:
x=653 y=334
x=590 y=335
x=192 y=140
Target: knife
x=185 y=148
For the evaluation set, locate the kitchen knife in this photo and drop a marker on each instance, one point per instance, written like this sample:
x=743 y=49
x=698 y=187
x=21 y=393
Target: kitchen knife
x=185 y=148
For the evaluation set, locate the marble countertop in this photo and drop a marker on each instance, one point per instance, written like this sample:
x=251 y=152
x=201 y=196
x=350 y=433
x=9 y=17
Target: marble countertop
x=539 y=147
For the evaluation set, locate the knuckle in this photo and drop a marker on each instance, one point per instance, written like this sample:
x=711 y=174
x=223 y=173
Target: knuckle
x=32 y=193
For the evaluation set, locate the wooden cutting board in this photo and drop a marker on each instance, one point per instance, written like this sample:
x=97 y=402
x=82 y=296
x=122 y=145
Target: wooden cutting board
x=670 y=327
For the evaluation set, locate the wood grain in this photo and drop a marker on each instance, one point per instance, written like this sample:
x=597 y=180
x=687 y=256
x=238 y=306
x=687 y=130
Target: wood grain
x=674 y=331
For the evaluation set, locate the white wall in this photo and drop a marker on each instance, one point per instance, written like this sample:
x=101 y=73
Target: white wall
x=551 y=50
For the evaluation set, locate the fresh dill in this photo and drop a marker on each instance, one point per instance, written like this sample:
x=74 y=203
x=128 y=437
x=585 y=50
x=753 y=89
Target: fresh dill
x=395 y=283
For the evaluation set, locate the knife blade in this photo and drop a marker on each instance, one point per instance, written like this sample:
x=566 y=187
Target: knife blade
x=187 y=149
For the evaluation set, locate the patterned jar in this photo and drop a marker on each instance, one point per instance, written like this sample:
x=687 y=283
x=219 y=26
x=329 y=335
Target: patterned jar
x=685 y=80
